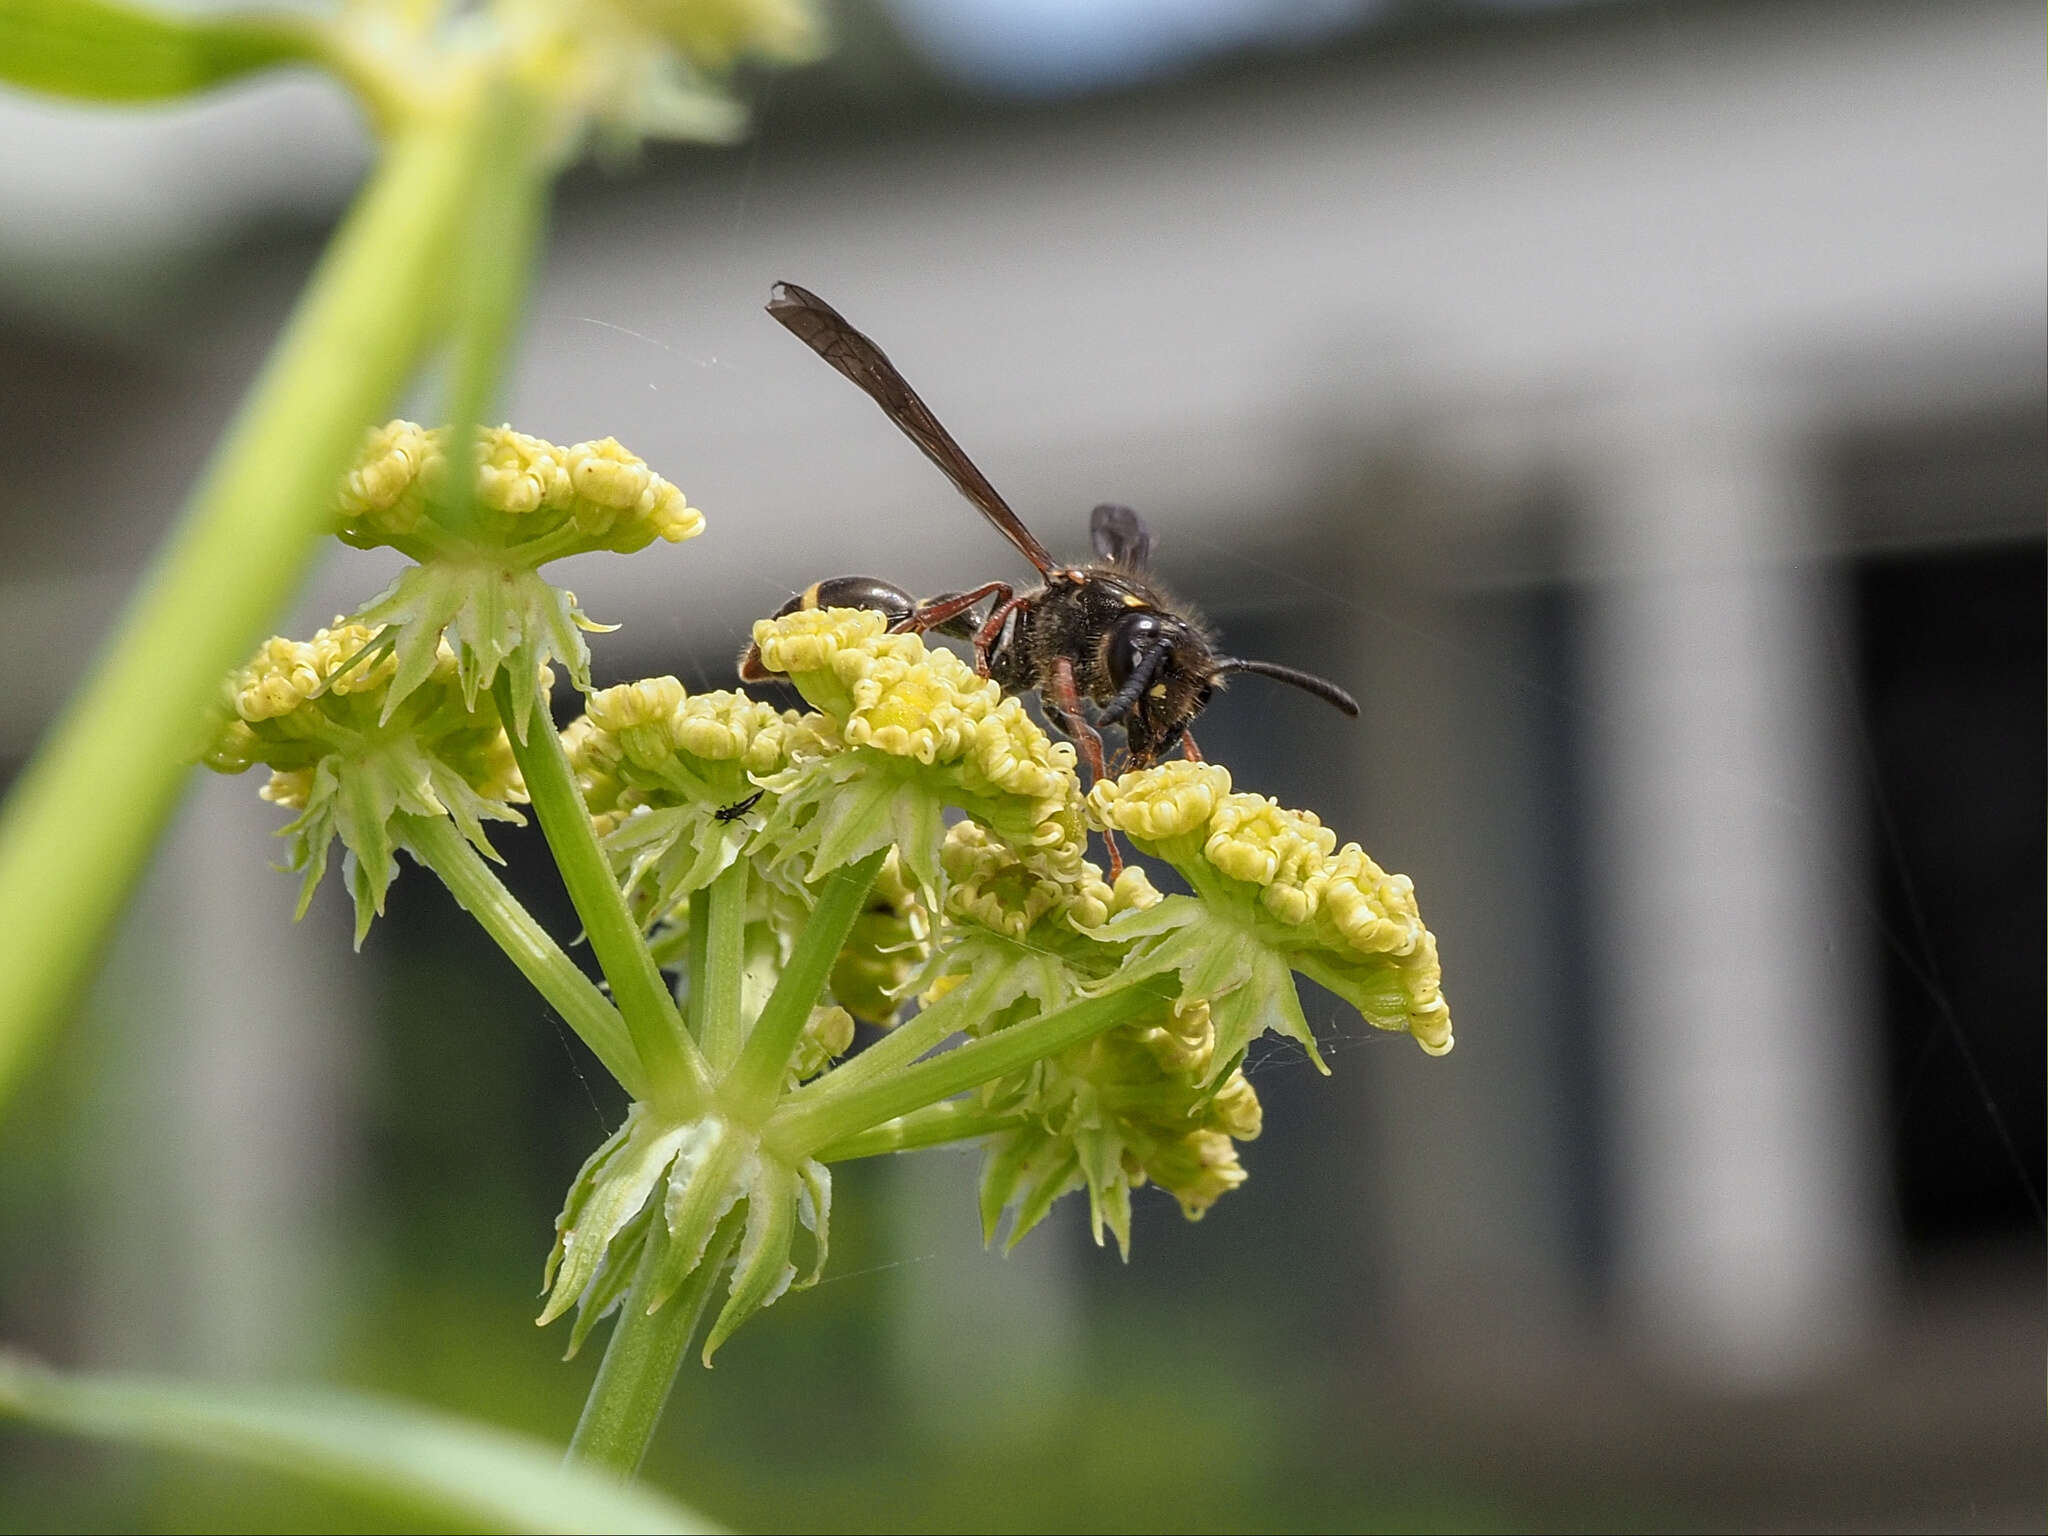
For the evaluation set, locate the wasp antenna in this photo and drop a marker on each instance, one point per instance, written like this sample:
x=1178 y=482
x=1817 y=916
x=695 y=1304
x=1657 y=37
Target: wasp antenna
x=1307 y=682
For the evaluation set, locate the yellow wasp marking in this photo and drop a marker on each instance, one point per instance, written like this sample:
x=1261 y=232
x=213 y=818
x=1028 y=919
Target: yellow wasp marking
x=810 y=598
x=1132 y=601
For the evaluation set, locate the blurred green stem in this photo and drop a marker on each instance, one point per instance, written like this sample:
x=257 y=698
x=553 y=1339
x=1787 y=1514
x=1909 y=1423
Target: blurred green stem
x=529 y=946
x=764 y=1063
x=932 y=1126
x=645 y=1353
x=678 y=1083
x=717 y=980
x=828 y=1118
x=70 y=850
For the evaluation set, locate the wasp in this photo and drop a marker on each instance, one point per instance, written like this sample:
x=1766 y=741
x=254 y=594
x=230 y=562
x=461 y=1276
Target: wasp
x=1101 y=632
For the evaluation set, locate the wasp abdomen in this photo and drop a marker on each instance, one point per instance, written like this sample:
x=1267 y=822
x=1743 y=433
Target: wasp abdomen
x=853 y=592
x=884 y=597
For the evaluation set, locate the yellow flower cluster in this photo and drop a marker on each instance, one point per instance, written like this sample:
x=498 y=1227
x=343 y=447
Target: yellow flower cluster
x=892 y=695
x=1128 y=1108
x=1007 y=891
x=1144 y=1081
x=1338 y=910
x=532 y=496
x=298 y=701
x=654 y=743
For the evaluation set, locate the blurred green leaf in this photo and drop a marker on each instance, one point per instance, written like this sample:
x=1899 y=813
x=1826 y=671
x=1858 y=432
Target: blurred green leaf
x=437 y=1468
x=105 y=52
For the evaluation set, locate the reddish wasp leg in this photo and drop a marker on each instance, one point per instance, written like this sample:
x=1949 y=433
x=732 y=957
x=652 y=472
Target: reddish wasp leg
x=986 y=635
x=1067 y=700
x=936 y=611
x=1187 y=745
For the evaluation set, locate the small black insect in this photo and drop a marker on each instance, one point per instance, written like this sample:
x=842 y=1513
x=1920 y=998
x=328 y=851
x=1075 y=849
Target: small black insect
x=1100 y=632
x=738 y=808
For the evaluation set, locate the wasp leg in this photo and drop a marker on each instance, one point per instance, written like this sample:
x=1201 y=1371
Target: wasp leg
x=1066 y=698
x=986 y=637
x=940 y=612
x=1187 y=745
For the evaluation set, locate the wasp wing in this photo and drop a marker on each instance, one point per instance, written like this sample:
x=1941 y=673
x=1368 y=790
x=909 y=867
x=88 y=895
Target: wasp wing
x=829 y=334
x=1120 y=536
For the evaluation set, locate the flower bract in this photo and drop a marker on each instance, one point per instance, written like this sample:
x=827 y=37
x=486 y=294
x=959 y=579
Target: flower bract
x=318 y=713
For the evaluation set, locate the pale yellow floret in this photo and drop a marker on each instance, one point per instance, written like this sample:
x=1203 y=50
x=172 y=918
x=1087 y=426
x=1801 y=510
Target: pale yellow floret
x=288 y=787
x=284 y=673
x=1235 y=1110
x=1259 y=841
x=651 y=701
x=1373 y=910
x=606 y=475
x=1159 y=804
x=727 y=727
x=671 y=517
x=390 y=466
x=1009 y=890
x=516 y=473
x=1185 y=1041
x=808 y=639
x=1198 y=1169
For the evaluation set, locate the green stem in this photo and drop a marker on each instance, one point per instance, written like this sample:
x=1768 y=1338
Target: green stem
x=932 y=1126
x=897 y=1049
x=645 y=1353
x=505 y=217
x=528 y=945
x=797 y=1132
x=725 y=963
x=677 y=1081
x=69 y=851
x=764 y=1062
x=699 y=972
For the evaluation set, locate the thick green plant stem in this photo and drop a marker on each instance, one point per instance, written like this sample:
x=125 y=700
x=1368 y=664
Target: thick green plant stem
x=644 y=1354
x=504 y=219
x=897 y=1049
x=699 y=961
x=70 y=852
x=933 y=1126
x=715 y=986
x=676 y=1076
x=797 y=1132
x=764 y=1063
x=528 y=945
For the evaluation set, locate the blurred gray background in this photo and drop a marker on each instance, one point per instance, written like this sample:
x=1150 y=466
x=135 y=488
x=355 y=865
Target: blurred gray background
x=1639 y=405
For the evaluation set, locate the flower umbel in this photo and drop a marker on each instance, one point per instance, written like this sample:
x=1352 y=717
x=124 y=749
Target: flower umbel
x=921 y=732
x=476 y=584
x=674 y=780
x=319 y=714
x=1272 y=893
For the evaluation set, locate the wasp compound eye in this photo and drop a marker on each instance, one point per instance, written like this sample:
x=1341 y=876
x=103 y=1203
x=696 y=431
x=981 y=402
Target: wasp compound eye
x=1130 y=643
